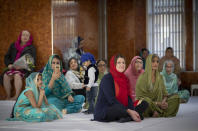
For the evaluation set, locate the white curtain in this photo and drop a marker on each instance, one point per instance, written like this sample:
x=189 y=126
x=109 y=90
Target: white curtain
x=165 y=26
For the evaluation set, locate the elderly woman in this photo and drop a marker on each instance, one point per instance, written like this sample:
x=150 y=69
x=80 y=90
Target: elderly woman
x=114 y=102
x=75 y=78
x=150 y=87
x=171 y=83
x=134 y=70
x=21 y=47
x=32 y=104
x=58 y=90
x=170 y=56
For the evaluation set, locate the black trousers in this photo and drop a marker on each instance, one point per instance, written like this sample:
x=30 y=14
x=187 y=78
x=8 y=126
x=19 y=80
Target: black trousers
x=117 y=112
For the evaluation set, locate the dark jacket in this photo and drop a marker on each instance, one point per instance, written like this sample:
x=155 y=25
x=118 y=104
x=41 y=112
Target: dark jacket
x=107 y=98
x=86 y=77
x=12 y=52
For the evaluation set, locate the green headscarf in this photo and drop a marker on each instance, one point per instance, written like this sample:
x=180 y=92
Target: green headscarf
x=144 y=86
x=170 y=80
x=60 y=88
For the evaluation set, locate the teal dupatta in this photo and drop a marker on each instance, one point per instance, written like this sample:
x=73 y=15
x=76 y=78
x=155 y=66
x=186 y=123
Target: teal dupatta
x=60 y=88
x=170 y=80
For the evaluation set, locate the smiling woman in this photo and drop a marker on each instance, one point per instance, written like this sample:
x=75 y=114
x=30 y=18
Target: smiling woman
x=114 y=102
x=75 y=78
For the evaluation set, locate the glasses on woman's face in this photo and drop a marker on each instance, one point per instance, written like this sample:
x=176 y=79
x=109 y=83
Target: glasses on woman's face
x=139 y=62
x=168 y=66
x=102 y=65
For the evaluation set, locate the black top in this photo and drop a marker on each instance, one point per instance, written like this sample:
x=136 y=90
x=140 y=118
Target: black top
x=12 y=52
x=107 y=98
x=86 y=81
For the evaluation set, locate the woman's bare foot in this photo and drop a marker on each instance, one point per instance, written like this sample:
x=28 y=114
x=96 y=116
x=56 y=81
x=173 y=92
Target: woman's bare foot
x=155 y=114
x=64 y=111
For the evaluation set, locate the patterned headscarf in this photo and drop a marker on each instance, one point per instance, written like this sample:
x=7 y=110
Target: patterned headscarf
x=60 y=88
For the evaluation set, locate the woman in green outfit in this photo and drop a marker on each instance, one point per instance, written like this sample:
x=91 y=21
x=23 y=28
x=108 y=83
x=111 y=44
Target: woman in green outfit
x=32 y=104
x=171 y=81
x=57 y=89
x=150 y=87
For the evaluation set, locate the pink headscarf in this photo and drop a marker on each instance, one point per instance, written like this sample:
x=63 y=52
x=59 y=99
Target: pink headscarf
x=19 y=47
x=133 y=75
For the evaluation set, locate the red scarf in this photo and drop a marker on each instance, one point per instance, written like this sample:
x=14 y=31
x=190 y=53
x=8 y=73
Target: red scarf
x=121 y=80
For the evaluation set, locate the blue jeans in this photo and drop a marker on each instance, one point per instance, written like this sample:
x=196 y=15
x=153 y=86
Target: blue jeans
x=91 y=96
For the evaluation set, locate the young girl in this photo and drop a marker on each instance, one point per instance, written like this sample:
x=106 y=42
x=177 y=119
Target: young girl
x=32 y=104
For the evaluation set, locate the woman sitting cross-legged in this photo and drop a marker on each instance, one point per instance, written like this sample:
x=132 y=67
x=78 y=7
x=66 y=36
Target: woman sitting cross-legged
x=75 y=78
x=150 y=87
x=171 y=81
x=134 y=70
x=32 y=104
x=114 y=102
x=58 y=90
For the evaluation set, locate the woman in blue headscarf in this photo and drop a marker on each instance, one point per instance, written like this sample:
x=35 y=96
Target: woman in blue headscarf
x=57 y=89
x=171 y=81
x=32 y=104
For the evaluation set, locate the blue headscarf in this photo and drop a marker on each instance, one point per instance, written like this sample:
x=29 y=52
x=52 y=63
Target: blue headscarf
x=86 y=57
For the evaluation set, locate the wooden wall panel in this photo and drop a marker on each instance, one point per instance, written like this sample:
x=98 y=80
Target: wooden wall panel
x=140 y=25
x=189 y=78
x=31 y=15
x=189 y=34
x=87 y=25
x=120 y=28
x=126 y=27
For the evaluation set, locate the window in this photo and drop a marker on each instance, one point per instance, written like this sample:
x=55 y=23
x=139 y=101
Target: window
x=195 y=34
x=64 y=15
x=165 y=27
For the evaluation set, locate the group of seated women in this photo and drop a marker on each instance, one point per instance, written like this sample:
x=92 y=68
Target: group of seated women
x=122 y=95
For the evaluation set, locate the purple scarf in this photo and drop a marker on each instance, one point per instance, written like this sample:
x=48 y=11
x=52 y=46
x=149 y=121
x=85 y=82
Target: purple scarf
x=19 y=47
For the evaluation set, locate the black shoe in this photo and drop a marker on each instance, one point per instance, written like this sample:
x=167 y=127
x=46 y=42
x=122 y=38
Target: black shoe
x=124 y=119
x=141 y=108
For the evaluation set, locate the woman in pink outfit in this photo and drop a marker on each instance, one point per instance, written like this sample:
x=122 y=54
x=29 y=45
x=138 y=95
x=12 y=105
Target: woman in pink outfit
x=133 y=72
